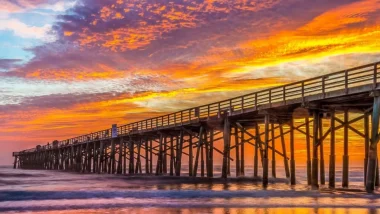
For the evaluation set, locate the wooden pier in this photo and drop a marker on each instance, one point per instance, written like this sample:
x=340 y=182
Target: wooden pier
x=157 y=146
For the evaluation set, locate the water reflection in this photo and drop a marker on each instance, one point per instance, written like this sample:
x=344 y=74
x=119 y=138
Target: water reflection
x=61 y=192
x=225 y=211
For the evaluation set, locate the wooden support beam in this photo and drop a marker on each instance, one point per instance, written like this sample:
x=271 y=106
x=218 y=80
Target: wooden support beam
x=237 y=152
x=314 y=170
x=125 y=148
x=159 y=158
x=179 y=154
x=113 y=161
x=347 y=125
x=165 y=158
x=242 y=153
x=15 y=162
x=146 y=149
x=211 y=156
x=131 y=167
x=198 y=152
x=95 y=159
x=322 y=158
x=256 y=155
x=366 y=145
x=207 y=153
x=227 y=139
x=273 y=152
x=202 y=160
x=286 y=164
x=190 y=155
x=332 y=151
x=120 y=158
x=372 y=150
x=151 y=157
x=265 y=153
x=171 y=156
x=89 y=157
x=345 y=151
x=138 y=161
x=292 y=157
x=259 y=141
x=308 y=160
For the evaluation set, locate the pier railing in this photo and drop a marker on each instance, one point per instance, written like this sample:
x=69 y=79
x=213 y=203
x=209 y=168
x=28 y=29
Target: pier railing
x=358 y=76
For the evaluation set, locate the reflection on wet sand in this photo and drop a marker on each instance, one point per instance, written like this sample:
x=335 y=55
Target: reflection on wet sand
x=61 y=192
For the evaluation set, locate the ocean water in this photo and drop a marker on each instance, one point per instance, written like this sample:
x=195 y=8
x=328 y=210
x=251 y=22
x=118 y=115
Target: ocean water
x=41 y=191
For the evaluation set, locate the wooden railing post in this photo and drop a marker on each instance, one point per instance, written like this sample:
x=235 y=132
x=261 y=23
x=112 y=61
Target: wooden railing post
x=270 y=97
x=284 y=94
x=303 y=92
x=375 y=76
x=323 y=86
x=255 y=101
x=242 y=104
x=230 y=107
x=346 y=81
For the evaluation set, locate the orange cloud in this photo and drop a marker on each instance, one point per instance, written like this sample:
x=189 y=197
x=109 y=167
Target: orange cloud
x=78 y=74
x=343 y=30
x=162 y=19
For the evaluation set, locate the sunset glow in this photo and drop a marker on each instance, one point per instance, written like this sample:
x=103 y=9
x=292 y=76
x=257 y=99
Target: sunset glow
x=70 y=67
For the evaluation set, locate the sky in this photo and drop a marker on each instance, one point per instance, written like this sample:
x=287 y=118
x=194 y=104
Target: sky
x=78 y=66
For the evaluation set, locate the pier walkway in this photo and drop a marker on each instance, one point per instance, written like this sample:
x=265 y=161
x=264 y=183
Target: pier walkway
x=158 y=145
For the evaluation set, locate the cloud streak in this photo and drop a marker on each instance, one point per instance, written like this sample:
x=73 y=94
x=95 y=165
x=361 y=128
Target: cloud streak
x=126 y=60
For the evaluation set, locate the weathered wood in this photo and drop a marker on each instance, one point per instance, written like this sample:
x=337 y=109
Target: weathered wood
x=131 y=167
x=321 y=152
x=345 y=150
x=286 y=164
x=237 y=149
x=202 y=161
x=190 y=155
x=366 y=145
x=207 y=153
x=198 y=152
x=112 y=158
x=308 y=160
x=146 y=156
x=314 y=166
x=242 y=153
x=265 y=153
x=332 y=152
x=120 y=159
x=159 y=158
x=95 y=159
x=138 y=162
x=211 y=144
x=292 y=157
x=171 y=156
x=226 y=140
x=273 y=152
x=372 y=150
x=256 y=155
x=15 y=162
x=124 y=156
x=165 y=157
x=151 y=157
x=179 y=154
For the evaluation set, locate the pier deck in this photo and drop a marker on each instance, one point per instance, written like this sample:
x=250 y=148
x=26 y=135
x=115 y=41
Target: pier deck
x=163 y=142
